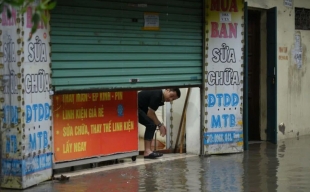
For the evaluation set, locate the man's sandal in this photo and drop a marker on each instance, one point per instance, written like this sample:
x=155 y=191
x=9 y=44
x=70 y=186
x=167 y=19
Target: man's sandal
x=153 y=155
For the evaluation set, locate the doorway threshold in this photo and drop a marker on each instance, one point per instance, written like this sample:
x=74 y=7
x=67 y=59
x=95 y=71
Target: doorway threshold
x=255 y=142
x=125 y=163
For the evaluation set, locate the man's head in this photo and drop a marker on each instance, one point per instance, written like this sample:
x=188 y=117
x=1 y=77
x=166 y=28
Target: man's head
x=171 y=94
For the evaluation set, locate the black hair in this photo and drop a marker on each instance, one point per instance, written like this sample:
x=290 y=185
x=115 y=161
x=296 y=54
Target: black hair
x=177 y=90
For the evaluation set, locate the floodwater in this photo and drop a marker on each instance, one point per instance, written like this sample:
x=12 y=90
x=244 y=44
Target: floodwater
x=264 y=167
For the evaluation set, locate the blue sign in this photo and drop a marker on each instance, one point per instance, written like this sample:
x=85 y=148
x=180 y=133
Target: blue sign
x=37 y=112
x=42 y=137
x=223 y=99
x=11 y=144
x=223 y=120
x=10 y=114
x=20 y=168
x=223 y=137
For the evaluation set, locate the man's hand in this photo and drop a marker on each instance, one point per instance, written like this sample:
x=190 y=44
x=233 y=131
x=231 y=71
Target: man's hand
x=162 y=130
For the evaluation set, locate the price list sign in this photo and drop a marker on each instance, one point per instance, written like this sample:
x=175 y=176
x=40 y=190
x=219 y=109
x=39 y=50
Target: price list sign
x=94 y=124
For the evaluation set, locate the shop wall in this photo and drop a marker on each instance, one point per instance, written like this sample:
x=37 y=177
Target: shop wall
x=292 y=75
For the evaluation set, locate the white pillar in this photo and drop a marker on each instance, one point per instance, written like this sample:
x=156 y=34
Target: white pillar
x=193 y=115
x=26 y=122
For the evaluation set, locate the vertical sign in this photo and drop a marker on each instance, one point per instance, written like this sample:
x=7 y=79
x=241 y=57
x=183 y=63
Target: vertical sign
x=36 y=102
x=10 y=97
x=95 y=124
x=25 y=122
x=223 y=76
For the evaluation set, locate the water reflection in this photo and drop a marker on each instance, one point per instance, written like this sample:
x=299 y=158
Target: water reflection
x=264 y=167
x=294 y=171
x=223 y=173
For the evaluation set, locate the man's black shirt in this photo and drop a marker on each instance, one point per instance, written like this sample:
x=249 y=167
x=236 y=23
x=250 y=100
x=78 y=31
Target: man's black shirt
x=150 y=99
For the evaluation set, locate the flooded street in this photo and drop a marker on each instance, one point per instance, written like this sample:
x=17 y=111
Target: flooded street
x=264 y=167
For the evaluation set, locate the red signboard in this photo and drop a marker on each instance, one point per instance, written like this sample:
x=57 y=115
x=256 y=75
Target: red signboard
x=94 y=124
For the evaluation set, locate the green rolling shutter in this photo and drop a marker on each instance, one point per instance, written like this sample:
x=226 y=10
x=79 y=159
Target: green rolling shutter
x=99 y=44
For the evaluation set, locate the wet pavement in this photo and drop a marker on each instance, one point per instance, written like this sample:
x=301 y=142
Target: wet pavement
x=264 y=167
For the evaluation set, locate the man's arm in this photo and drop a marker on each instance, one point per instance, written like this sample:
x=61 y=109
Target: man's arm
x=162 y=129
x=151 y=114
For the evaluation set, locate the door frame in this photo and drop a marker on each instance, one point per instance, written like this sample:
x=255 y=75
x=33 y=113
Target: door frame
x=270 y=130
x=272 y=78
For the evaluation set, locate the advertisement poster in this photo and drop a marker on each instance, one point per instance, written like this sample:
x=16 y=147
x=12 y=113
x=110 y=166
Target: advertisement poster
x=10 y=95
x=94 y=124
x=37 y=116
x=26 y=122
x=151 y=21
x=223 y=76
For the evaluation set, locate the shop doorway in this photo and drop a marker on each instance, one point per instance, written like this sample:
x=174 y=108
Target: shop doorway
x=254 y=63
x=262 y=70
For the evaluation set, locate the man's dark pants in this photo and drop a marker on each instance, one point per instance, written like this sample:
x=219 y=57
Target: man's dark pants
x=150 y=127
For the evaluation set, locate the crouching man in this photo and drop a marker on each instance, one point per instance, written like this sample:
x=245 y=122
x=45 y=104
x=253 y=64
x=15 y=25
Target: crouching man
x=148 y=103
